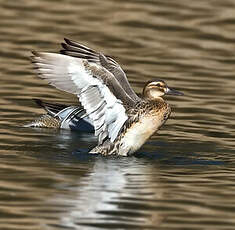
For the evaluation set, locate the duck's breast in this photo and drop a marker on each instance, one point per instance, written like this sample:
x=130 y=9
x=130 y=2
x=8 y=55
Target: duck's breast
x=139 y=132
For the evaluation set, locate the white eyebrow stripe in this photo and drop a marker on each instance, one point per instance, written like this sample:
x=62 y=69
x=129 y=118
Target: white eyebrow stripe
x=156 y=84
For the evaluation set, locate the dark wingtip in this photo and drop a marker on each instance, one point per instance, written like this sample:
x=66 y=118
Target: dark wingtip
x=35 y=53
x=38 y=102
x=64 y=45
x=34 y=56
x=68 y=41
x=63 y=51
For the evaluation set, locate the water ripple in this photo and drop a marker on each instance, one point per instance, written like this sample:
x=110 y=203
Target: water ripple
x=183 y=178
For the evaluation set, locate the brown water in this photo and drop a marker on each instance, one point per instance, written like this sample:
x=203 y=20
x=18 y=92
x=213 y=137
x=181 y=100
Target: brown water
x=183 y=178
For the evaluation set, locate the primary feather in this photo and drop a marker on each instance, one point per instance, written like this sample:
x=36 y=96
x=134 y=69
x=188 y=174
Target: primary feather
x=75 y=49
x=87 y=81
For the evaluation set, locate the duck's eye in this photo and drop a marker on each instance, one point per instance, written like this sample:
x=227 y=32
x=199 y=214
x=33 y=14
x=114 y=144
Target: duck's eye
x=158 y=85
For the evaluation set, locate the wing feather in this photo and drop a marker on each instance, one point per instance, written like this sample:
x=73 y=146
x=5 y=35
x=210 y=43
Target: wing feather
x=76 y=49
x=76 y=76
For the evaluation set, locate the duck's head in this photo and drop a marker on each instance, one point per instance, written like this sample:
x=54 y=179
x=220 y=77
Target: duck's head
x=156 y=89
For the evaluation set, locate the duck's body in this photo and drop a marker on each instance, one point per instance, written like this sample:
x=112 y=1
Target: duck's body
x=121 y=120
x=143 y=121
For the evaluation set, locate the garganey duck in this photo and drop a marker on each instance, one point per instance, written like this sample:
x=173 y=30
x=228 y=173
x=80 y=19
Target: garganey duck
x=109 y=106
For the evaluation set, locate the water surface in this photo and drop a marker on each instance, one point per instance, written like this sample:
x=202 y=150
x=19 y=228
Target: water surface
x=183 y=178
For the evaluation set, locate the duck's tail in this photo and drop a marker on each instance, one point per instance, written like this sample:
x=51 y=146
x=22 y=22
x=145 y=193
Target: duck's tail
x=51 y=108
x=62 y=116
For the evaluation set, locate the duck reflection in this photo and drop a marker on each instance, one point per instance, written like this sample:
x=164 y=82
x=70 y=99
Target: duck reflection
x=115 y=192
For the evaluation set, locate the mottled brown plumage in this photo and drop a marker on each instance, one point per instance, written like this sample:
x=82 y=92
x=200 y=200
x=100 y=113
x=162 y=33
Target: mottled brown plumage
x=156 y=110
x=122 y=120
x=46 y=121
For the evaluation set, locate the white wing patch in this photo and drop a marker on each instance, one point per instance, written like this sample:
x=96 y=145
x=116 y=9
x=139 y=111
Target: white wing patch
x=70 y=74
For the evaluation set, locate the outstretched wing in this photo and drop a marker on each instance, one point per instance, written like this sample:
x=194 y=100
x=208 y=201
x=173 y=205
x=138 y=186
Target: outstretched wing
x=88 y=82
x=75 y=49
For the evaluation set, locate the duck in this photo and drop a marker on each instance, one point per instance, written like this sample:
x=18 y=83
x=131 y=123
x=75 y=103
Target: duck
x=108 y=106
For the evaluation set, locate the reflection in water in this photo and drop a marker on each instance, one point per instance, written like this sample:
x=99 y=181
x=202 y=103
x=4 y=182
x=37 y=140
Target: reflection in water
x=113 y=194
x=183 y=178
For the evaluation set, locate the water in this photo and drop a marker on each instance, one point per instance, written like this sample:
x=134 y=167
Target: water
x=183 y=178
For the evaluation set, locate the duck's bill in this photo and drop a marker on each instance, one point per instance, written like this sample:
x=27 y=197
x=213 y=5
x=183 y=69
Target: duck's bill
x=173 y=92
